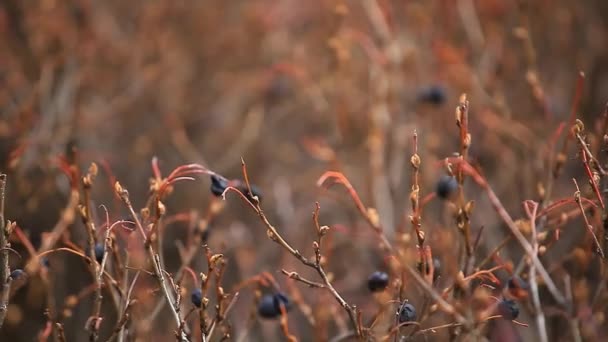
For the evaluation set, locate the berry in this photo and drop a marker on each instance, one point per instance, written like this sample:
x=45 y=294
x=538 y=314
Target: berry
x=205 y=234
x=377 y=281
x=446 y=187
x=433 y=94
x=196 y=297
x=270 y=305
x=17 y=273
x=44 y=261
x=406 y=313
x=508 y=309
x=218 y=185
x=255 y=191
x=516 y=282
x=99 y=251
x=436 y=268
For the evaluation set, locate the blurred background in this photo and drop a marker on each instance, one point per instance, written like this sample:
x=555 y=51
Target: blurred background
x=295 y=88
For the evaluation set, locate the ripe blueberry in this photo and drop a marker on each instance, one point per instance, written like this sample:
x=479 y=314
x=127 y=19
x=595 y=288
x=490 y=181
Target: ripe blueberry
x=99 y=251
x=446 y=187
x=516 y=282
x=17 y=273
x=196 y=297
x=377 y=281
x=270 y=305
x=436 y=268
x=406 y=313
x=255 y=191
x=433 y=94
x=218 y=185
x=508 y=309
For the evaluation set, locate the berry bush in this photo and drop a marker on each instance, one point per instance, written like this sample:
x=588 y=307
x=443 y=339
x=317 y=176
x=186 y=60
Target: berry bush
x=303 y=170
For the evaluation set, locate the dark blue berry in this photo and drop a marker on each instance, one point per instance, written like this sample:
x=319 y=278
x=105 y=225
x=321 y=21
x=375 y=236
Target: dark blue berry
x=44 y=261
x=205 y=234
x=218 y=185
x=17 y=273
x=434 y=94
x=196 y=297
x=270 y=305
x=446 y=187
x=436 y=268
x=516 y=282
x=377 y=281
x=278 y=88
x=406 y=313
x=255 y=191
x=508 y=309
x=99 y=251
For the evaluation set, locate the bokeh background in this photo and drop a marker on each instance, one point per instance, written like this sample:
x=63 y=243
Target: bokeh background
x=295 y=88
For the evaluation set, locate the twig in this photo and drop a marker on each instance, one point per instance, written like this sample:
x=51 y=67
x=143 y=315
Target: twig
x=128 y=302
x=532 y=210
x=60 y=332
x=275 y=236
x=96 y=271
x=158 y=271
x=504 y=215
x=296 y=276
x=120 y=326
x=5 y=279
x=66 y=219
x=228 y=308
x=577 y=198
x=445 y=306
x=463 y=221
x=369 y=214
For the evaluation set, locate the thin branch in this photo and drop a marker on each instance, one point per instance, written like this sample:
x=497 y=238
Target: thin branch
x=296 y=276
x=577 y=198
x=5 y=279
x=158 y=271
x=540 y=317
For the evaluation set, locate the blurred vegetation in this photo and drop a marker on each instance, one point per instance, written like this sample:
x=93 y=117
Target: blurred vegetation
x=297 y=88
